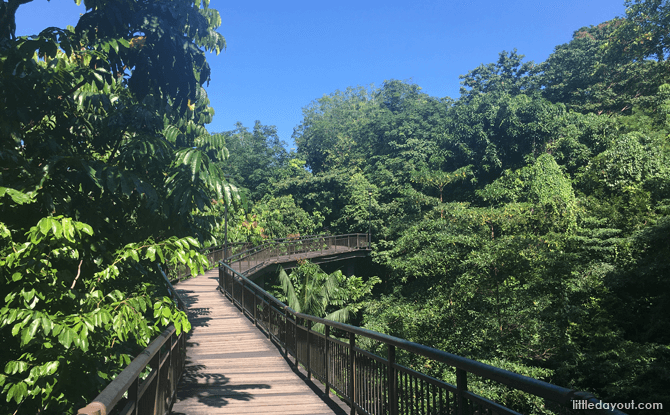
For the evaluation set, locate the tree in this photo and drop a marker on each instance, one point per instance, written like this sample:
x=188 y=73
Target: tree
x=256 y=158
x=309 y=290
x=508 y=75
x=498 y=131
x=280 y=217
x=642 y=34
x=106 y=162
x=590 y=74
x=327 y=136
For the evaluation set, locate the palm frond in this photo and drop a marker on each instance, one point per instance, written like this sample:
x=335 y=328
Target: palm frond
x=289 y=290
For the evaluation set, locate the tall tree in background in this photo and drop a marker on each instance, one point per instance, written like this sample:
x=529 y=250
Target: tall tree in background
x=257 y=158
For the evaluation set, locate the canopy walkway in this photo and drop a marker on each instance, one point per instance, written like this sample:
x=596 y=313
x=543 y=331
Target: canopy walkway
x=287 y=252
x=248 y=353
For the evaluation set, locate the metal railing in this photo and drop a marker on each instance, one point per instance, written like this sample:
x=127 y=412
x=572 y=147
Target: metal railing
x=155 y=393
x=373 y=384
x=220 y=253
x=268 y=253
x=214 y=255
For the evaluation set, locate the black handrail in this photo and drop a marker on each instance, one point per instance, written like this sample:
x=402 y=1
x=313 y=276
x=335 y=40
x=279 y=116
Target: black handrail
x=372 y=384
x=166 y=356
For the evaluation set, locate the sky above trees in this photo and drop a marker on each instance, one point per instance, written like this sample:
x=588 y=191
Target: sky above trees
x=281 y=56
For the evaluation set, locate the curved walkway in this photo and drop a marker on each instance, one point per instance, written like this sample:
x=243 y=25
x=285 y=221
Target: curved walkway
x=232 y=368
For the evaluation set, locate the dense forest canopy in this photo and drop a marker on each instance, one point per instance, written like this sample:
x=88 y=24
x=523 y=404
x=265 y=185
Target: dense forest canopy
x=524 y=223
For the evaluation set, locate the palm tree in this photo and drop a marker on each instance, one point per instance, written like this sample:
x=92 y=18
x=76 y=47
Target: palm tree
x=309 y=290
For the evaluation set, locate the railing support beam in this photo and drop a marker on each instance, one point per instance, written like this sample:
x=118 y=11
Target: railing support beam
x=393 y=392
x=352 y=372
x=461 y=388
x=326 y=358
x=308 y=362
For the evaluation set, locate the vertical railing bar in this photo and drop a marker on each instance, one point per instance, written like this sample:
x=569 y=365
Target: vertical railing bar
x=326 y=361
x=298 y=347
x=364 y=382
x=412 y=392
x=425 y=396
x=133 y=394
x=375 y=389
x=461 y=388
x=285 y=334
x=393 y=394
x=421 y=388
x=352 y=368
x=415 y=396
x=405 y=397
x=157 y=378
x=309 y=353
x=443 y=400
x=255 y=311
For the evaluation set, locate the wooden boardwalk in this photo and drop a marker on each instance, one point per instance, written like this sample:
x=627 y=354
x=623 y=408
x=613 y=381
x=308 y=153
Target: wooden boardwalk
x=317 y=257
x=232 y=368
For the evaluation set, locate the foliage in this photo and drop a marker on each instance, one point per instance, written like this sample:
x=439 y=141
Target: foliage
x=75 y=317
x=309 y=290
x=280 y=218
x=107 y=169
x=522 y=224
x=509 y=75
x=257 y=158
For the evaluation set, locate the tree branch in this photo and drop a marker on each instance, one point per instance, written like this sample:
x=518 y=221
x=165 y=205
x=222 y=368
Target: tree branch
x=78 y=274
x=8 y=18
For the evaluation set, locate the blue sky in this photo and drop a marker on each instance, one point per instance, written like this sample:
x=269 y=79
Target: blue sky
x=283 y=55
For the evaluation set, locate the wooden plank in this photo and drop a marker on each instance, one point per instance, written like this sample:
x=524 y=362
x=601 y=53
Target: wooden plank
x=232 y=367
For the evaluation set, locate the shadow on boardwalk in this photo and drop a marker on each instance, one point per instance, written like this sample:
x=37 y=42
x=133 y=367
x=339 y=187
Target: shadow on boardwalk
x=212 y=389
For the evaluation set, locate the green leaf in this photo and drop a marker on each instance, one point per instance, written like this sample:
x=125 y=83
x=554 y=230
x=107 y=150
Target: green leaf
x=29 y=333
x=18 y=392
x=66 y=337
x=44 y=225
x=171 y=133
x=151 y=253
x=84 y=228
x=68 y=229
x=15 y=366
x=47 y=325
x=50 y=368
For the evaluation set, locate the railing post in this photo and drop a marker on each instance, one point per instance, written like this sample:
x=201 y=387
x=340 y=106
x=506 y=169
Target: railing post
x=352 y=375
x=461 y=388
x=286 y=335
x=393 y=391
x=309 y=353
x=295 y=337
x=255 y=310
x=157 y=368
x=133 y=393
x=243 y=302
x=327 y=361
